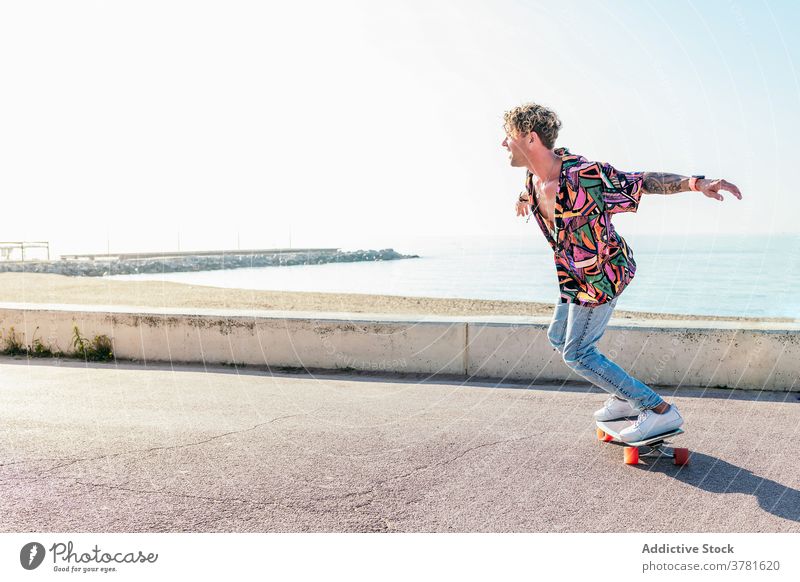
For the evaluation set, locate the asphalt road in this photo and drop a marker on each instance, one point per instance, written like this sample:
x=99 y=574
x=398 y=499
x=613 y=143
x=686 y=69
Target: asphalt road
x=160 y=448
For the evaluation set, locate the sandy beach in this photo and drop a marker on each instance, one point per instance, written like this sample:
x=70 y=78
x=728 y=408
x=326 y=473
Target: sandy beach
x=47 y=288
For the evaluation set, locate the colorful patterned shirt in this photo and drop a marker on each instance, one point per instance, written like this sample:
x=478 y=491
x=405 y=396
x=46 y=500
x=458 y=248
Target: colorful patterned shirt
x=594 y=264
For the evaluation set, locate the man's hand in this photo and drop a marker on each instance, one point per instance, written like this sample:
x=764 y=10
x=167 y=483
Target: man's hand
x=523 y=205
x=711 y=188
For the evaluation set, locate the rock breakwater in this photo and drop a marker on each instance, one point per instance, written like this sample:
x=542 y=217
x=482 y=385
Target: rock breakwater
x=101 y=265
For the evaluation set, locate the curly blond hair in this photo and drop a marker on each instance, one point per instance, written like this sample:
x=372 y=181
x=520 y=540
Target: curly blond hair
x=533 y=117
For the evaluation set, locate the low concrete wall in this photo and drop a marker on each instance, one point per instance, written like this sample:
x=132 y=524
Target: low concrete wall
x=754 y=356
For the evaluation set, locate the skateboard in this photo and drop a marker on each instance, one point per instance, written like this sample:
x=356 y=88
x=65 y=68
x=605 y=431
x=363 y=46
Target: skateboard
x=654 y=446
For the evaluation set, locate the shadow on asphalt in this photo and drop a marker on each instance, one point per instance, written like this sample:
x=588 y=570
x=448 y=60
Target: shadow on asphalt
x=717 y=476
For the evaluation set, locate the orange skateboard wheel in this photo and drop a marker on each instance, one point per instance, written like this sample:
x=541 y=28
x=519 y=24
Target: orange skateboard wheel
x=681 y=456
x=631 y=456
x=601 y=435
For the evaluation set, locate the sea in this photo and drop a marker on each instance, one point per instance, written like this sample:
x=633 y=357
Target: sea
x=723 y=275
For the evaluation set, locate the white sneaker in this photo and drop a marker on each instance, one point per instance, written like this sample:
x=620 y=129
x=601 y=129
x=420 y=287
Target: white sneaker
x=615 y=409
x=651 y=424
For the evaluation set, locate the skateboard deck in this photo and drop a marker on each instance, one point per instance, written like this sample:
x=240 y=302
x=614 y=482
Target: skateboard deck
x=655 y=446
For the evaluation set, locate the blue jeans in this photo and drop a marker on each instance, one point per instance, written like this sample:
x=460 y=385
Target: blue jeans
x=575 y=331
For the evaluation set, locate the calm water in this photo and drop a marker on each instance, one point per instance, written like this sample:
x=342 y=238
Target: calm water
x=701 y=275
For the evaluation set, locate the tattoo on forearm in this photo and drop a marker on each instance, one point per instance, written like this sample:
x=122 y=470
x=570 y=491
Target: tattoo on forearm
x=663 y=183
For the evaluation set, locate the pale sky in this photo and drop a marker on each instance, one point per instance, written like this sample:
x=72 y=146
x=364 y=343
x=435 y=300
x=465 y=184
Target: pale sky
x=141 y=124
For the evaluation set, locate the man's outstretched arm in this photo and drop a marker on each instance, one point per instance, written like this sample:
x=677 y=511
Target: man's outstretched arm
x=663 y=183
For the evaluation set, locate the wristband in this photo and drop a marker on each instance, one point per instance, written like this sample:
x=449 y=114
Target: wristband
x=693 y=182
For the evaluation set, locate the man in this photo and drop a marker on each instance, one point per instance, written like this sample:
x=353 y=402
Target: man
x=573 y=200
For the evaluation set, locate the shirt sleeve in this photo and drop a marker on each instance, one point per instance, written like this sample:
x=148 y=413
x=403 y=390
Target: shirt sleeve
x=621 y=190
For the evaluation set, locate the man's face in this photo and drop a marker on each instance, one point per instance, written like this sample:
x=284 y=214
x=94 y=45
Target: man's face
x=515 y=144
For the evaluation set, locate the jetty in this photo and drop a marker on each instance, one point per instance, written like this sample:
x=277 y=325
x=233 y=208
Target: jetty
x=98 y=265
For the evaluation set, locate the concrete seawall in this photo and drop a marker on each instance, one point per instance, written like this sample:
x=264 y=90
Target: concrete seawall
x=743 y=355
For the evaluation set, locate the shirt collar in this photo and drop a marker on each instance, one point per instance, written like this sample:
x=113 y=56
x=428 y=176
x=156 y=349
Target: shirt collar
x=565 y=156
